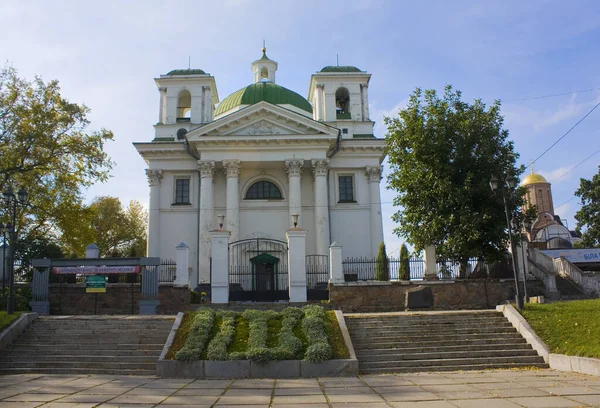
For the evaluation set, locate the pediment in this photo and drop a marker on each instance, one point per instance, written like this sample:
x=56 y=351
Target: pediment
x=262 y=119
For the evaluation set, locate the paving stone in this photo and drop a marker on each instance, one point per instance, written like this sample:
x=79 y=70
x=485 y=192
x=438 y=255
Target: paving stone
x=385 y=380
x=245 y=400
x=487 y=403
x=34 y=397
x=424 y=404
x=593 y=400
x=346 y=391
x=519 y=392
x=86 y=398
x=299 y=391
x=355 y=398
x=138 y=399
x=299 y=399
x=571 y=390
x=151 y=391
x=18 y=404
x=297 y=383
x=544 y=402
x=303 y=406
x=248 y=392
x=254 y=383
x=209 y=384
x=199 y=391
x=195 y=400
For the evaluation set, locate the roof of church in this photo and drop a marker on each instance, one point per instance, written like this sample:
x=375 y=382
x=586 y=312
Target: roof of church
x=533 y=178
x=263 y=91
x=344 y=68
x=186 y=72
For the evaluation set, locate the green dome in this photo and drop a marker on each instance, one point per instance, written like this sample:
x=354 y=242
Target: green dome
x=345 y=68
x=263 y=91
x=186 y=72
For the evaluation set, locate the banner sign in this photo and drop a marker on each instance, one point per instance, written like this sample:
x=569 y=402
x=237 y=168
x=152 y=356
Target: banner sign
x=575 y=255
x=95 y=284
x=95 y=270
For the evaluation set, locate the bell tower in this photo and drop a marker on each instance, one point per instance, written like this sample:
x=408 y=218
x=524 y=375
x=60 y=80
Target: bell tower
x=264 y=69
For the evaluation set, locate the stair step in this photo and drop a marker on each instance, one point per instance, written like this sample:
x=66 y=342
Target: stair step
x=65 y=371
x=409 y=348
x=440 y=338
x=112 y=365
x=524 y=360
x=78 y=358
x=428 y=331
x=66 y=351
x=461 y=367
x=443 y=355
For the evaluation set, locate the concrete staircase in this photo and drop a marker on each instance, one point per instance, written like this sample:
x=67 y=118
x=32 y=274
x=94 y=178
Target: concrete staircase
x=123 y=345
x=438 y=341
x=569 y=290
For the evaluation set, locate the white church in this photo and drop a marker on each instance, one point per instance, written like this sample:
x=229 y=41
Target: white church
x=258 y=162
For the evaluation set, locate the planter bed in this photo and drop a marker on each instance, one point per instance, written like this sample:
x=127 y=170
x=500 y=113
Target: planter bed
x=258 y=344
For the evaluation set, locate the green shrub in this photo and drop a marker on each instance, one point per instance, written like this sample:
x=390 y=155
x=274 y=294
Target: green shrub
x=404 y=270
x=217 y=348
x=258 y=335
x=313 y=326
x=198 y=336
x=290 y=346
x=195 y=297
x=382 y=270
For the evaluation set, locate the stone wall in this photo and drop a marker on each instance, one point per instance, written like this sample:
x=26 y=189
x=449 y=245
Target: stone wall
x=451 y=295
x=71 y=299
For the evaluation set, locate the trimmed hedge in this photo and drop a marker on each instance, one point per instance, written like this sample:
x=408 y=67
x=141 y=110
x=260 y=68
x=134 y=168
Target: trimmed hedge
x=198 y=337
x=314 y=328
x=217 y=348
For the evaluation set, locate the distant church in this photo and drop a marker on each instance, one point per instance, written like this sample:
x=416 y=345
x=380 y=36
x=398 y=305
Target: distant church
x=261 y=158
x=548 y=231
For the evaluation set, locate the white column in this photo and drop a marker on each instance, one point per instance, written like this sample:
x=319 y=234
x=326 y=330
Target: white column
x=293 y=167
x=429 y=261
x=92 y=251
x=232 y=215
x=296 y=238
x=219 y=282
x=154 y=180
x=207 y=113
x=319 y=102
x=364 y=100
x=336 y=271
x=320 y=168
x=182 y=258
x=374 y=177
x=207 y=170
x=162 y=109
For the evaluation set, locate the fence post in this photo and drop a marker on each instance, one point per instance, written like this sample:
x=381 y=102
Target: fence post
x=40 y=303
x=429 y=260
x=219 y=282
x=92 y=251
x=296 y=238
x=149 y=301
x=182 y=259
x=335 y=263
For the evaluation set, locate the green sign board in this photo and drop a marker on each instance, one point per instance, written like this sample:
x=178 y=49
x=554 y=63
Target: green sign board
x=95 y=284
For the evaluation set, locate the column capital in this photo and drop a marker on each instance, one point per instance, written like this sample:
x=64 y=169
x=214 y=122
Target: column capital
x=154 y=177
x=232 y=168
x=364 y=85
x=321 y=86
x=320 y=167
x=206 y=168
x=293 y=167
x=373 y=173
x=162 y=89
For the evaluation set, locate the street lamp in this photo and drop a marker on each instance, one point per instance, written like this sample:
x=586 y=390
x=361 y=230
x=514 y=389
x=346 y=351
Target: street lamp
x=11 y=201
x=510 y=182
x=524 y=225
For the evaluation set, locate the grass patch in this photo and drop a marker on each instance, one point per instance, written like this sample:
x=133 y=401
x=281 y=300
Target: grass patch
x=274 y=326
x=570 y=328
x=215 y=329
x=298 y=332
x=181 y=335
x=336 y=340
x=6 y=319
x=240 y=336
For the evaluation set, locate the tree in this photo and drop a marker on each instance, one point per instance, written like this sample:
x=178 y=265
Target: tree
x=117 y=231
x=404 y=271
x=46 y=148
x=442 y=153
x=588 y=217
x=382 y=270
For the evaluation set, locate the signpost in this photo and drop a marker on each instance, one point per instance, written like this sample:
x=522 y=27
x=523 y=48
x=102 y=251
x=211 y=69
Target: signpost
x=95 y=284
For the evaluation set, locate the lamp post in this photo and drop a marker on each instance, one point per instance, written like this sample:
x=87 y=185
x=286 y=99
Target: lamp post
x=524 y=225
x=11 y=202
x=510 y=182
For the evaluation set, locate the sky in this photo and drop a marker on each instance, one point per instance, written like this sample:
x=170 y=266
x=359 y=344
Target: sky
x=107 y=53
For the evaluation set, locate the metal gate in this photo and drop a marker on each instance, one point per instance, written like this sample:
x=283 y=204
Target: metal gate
x=317 y=277
x=258 y=270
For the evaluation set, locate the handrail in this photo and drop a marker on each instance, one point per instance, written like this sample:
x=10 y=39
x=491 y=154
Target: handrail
x=588 y=282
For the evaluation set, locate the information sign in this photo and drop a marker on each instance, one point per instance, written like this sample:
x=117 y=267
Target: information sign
x=95 y=284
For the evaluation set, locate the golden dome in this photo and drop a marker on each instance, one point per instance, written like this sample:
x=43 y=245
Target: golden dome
x=533 y=178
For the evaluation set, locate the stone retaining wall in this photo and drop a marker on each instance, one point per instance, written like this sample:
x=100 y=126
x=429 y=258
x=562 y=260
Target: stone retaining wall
x=447 y=295
x=71 y=299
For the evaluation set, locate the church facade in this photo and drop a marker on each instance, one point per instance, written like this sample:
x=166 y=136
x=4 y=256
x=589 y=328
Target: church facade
x=260 y=160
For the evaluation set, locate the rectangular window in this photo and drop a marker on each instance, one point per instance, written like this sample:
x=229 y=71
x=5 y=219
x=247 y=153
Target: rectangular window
x=182 y=191
x=346 y=185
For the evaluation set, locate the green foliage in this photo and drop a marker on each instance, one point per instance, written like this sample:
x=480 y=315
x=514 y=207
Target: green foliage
x=588 y=217
x=313 y=326
x=195 y=297
x=404 y=269
x=22 y=298
x=118 y=231
x=258 y=335
x=46 y=147
x=6 y=319
x=198 y=335
x=570 y=328
x=336 y=339
x=382 y=270
x=217 y=348
x=181 y=335
x=442 y=152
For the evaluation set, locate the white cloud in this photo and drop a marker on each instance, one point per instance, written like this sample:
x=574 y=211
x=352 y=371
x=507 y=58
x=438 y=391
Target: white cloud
x=377 y=116
x=558 y=174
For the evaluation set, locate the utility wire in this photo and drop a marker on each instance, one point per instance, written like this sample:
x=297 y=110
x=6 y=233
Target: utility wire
x=563 y=136
x=572 y=168
x=552 y=95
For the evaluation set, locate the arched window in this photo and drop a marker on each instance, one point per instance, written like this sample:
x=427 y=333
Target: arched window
x=184 y=106
x=264 y=74
x=342 y=103
x=263 y=190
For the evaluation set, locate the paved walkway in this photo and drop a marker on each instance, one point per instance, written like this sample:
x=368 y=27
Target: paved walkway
x=485 y=389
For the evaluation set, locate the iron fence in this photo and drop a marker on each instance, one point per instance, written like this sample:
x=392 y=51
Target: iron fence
x=365 y=268
x=317 y=277
x=167 y=270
